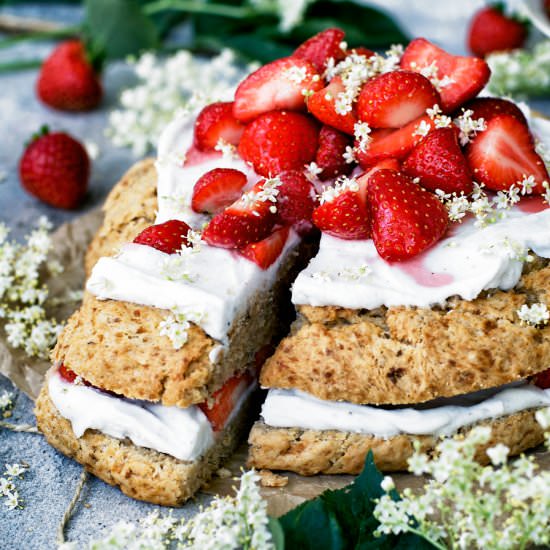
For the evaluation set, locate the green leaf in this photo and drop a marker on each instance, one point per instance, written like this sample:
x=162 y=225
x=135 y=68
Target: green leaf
x=118 y=28
x=277 y=533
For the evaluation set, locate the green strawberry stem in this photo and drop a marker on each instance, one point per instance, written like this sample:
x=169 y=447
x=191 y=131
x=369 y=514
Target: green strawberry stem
x=65 y=32
x=20 y=65
x=233 y=12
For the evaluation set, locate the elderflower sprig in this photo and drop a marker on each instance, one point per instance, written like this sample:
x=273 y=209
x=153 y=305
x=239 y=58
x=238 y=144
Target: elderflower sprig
x=177 y=324
x=8 y=489
x=535 y=315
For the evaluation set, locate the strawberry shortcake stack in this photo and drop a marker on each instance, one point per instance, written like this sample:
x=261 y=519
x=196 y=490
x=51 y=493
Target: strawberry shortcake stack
x=426 y=309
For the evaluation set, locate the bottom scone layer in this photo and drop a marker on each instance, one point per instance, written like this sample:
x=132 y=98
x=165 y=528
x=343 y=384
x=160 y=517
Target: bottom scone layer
x=310 y=452
x=140 y=473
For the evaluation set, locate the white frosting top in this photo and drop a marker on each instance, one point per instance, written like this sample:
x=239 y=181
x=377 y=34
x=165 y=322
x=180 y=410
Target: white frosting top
x=296 y=409
x=182 y=433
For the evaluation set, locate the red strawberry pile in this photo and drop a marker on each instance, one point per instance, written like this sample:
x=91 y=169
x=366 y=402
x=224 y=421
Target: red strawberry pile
x=326 y=113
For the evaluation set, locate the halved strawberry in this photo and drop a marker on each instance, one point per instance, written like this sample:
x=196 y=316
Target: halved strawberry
x=439 y=163
x=332 y=146
x=219 y=407
x=394 y=99
x=406 y=219
x=395 y=144
x=386 y=164
x=215 y=122
x=277 y=85
x=296 y=198
x=69 y=375
x=322 y=106
x=167 y=237
x=489 y=107
x=542 y=379
x=266 y=251
x=217 y=189
x=504 y=154
x=320 y=47
x=279 y=141
x=345 y=216
x=247 y=220
x=468 y=75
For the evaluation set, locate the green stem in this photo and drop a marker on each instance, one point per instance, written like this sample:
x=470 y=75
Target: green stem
x=41 y=35
x=20 y=65
x=423 y=535
x=233 y=12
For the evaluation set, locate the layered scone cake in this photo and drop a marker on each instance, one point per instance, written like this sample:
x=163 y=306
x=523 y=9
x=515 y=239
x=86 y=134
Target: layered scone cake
x=425 y=311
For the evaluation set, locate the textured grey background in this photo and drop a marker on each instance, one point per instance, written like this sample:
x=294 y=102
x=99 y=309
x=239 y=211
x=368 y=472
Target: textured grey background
x=50 y=482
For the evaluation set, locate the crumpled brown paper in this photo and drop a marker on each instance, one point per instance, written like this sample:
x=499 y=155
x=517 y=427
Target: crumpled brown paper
x=70 y=242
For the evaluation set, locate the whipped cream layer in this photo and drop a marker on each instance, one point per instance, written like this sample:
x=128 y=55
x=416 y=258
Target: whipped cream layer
x=296 y=409
x=185 y=434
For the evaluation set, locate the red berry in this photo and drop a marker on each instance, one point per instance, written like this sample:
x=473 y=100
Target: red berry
x=439 y=163
x=215 y=122
x=406 y=219
x=55 y=168
x=329 y=157
x=394 y=99
x=276 y=86
x=296 y=198
x=167 y=237
x=320 y=47
x=279 y=141
x=492 y=31
x=217 y=189
x=265 y=252
x=489 y=107
x=67 y=81
x=542 y=379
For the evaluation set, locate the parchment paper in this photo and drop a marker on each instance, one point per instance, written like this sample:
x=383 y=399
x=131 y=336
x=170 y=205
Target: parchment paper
x=70 y=243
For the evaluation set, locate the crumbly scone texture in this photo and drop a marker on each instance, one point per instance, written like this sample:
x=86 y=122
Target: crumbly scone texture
x=129 y=208
x=403 y=355
x=140 y=473
x=310 y=452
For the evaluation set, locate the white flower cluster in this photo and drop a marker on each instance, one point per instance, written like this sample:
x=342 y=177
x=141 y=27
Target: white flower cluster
x=342 y=184
x=178 y=323
x=466 y=505
x=268 y=193
x=521 y=71
x=177 y=267
x=534 y=315
x=181 y=83
x=232 y=523
x=228 y=150
x=312 y=171
x=8 y=489
x=431 y=72
x=22 y=297
x=440 y=120
x=362 y=131
x=6 y=402
x=468 y=126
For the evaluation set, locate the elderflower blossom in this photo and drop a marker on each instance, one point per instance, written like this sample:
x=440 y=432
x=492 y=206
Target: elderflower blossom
x=349 y=155
x=534 y=315
x=8 y=490
x=181 y=83
x=228 y=150
x=341 y=185
x=22 y=297
x=267 y=193
x=423 y=129
x=178 y=323
x=362 y=131
x=440 y=120
x=312 y=171
x=468 y=126
x=431 y=72
x=177 y=266
x=6 y=400
x=451 y=511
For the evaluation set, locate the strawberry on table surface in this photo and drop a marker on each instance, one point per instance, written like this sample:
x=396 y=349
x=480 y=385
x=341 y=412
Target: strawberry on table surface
x=217 y=189
x=493 y=31
x=296 y=198
x=504 y=154
x=489 y=107
x=67 y=81
x=167 y=237
x=320 y=47
x=55 y=168
x=216 y=122
x=439 y=163
x=265 y=252
x=394 y=99
x=248 y=220
x=276 y=86
x=279 y=141
x=465 y=76
x=330 y=154
x=406 y=219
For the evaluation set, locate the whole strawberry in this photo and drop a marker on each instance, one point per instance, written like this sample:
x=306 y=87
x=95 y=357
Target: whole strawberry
x=55 y=168
x=492 y=31
x=67 y=80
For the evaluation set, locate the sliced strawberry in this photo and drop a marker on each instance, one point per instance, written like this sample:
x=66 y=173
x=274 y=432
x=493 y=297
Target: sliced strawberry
x=277 y=85
x=386 y=164
x=394 y=99
x=504 y=154
x=395 y=144
x=406 y=219
x=320 y=47
x=167 y=237
x=468 y=75
x=296 y=198
x=247 y=220
x=322 y=106
x=439 y=163
x=69 y=375
x=279 y=141
x=344 y=216
x=332 y=146
x=542 y=379
x=215 y=122
x=219 y=407
x=217 y=189
x=489 y=107
x=266 y=251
